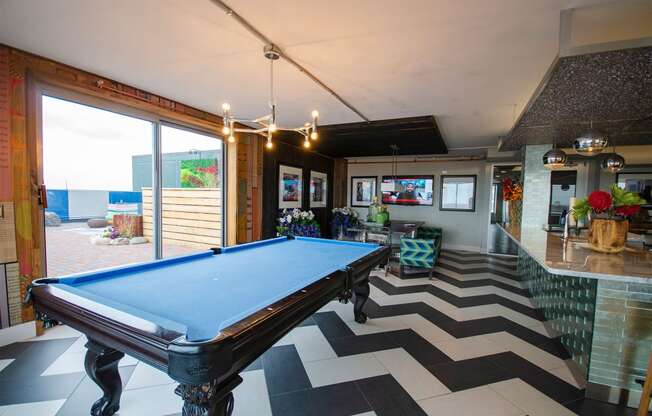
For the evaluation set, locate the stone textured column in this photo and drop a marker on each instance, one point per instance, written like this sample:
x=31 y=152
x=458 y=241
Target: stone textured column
x=536 y=187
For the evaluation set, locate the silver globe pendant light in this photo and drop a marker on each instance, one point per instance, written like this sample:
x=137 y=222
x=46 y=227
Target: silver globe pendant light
x=591 y=143
x=613 y=163
x=554 y=158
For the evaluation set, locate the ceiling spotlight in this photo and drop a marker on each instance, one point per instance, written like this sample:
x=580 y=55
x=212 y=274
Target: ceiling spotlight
x=315 y=114
x=231 y=139
x=226 y=130
x=590 y=143
x=554 y=159
x=314 y=135
x=306 y=143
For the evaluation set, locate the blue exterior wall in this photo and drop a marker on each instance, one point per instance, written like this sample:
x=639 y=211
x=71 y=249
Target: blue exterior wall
x=58 y=203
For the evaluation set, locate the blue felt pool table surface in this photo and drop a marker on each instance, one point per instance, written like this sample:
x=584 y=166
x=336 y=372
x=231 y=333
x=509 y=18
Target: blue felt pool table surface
x=200 y=294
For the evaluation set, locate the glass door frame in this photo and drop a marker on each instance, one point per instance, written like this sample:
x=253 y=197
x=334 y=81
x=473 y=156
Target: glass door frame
x=37 y=88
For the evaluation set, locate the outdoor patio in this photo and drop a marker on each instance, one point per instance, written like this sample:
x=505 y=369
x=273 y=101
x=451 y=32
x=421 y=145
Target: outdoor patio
x=69 y=250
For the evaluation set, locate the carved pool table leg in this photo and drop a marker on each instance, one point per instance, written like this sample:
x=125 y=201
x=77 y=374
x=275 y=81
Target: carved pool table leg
x=101 y=364
x=207 y=399
x=361 y=292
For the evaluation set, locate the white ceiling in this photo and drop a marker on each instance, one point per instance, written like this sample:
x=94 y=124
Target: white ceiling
x=468 y=62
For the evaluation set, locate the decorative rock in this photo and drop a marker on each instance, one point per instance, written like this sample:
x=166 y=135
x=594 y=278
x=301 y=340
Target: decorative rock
x=138 y=240
x=52 y=219
x=120 y=241
x=100 y=241
x=97 y=223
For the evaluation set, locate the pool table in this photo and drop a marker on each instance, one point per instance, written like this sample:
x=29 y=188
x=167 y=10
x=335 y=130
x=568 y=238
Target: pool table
x=204 y=317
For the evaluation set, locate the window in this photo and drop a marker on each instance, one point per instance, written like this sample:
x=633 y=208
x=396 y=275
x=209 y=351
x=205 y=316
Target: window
x=457 y=193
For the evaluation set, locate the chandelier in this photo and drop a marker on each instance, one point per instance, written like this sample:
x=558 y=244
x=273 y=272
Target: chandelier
x=267 y=125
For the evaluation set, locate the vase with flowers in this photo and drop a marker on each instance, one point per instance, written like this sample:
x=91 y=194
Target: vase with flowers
x=343 y=218
x=513 y=194
x=298 y=223
x=608 y=214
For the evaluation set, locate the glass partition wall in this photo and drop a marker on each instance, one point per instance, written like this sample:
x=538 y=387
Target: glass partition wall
x=124 y=189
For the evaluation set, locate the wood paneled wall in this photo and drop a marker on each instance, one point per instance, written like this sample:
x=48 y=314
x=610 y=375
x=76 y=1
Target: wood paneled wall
x=286 y=154
x=21 y=74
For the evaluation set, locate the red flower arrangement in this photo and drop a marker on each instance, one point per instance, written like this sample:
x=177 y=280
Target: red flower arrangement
x=600 y=201
x=512 y=191
x=612 y=205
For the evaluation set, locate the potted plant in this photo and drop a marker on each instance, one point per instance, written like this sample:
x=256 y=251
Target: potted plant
x=343 y=218
x=608 y=214
x=513 y=193
x=298 y=223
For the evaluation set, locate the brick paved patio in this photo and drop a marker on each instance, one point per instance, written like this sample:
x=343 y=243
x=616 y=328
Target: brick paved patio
x=69 y=250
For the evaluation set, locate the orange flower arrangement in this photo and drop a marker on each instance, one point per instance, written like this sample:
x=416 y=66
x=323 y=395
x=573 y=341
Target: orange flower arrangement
x=512 y=191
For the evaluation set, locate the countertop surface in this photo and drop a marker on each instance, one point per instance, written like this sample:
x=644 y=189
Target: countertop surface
x=573 y=257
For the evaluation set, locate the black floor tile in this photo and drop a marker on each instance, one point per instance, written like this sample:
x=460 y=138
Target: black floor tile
x=341 y=399
x=87 y=392
x=284 y=371
x=37 y=388
x=420 y=349
x=588 y=407
x=466 y=374
x=546 y=383
x=256 y=365
x=360 y=344
x=308 y=322
x=387 y=397
x=35 y=359
x=331 y=325
x=13 y=350
x=460 y=302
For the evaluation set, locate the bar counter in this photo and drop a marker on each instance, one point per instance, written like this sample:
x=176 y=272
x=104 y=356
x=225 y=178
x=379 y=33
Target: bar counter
x=599 y=304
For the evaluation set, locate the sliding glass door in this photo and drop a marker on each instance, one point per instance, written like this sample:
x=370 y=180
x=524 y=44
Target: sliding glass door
x=123 y=189
x=192 y=179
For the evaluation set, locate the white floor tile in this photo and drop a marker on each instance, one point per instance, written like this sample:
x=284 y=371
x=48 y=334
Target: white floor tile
x=473 y=402
x=529 y=399
x=339 y=370
x=469 y=347
x=5 y=363
x=418 y=382
x=48 y=408
x=251 y=397
x=58 y=332
x=145 y=375
x=311 y=344
x=286 y=340
x=73 y=362
x=536 y=356
x=159 y=400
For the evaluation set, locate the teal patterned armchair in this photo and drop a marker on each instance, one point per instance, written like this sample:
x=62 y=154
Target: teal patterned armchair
x=422 y=251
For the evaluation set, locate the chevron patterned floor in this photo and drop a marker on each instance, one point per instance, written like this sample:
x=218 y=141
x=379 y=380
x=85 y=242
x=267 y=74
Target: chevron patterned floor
x=467 y=343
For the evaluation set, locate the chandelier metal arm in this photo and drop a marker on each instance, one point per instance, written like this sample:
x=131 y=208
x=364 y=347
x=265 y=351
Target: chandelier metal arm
x=285 y=56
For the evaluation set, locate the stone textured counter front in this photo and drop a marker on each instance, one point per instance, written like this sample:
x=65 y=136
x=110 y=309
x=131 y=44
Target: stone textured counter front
x=600 y=304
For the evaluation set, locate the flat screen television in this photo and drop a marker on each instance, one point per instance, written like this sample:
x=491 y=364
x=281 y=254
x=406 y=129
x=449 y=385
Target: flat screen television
x=407 y=190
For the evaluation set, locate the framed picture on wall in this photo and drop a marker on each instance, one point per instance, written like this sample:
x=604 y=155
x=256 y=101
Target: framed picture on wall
x=457 y=193
x=290 y=187
x=318 y=189
x=363 y=190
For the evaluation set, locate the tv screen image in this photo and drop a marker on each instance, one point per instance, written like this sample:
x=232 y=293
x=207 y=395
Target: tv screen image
x=407 y=190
